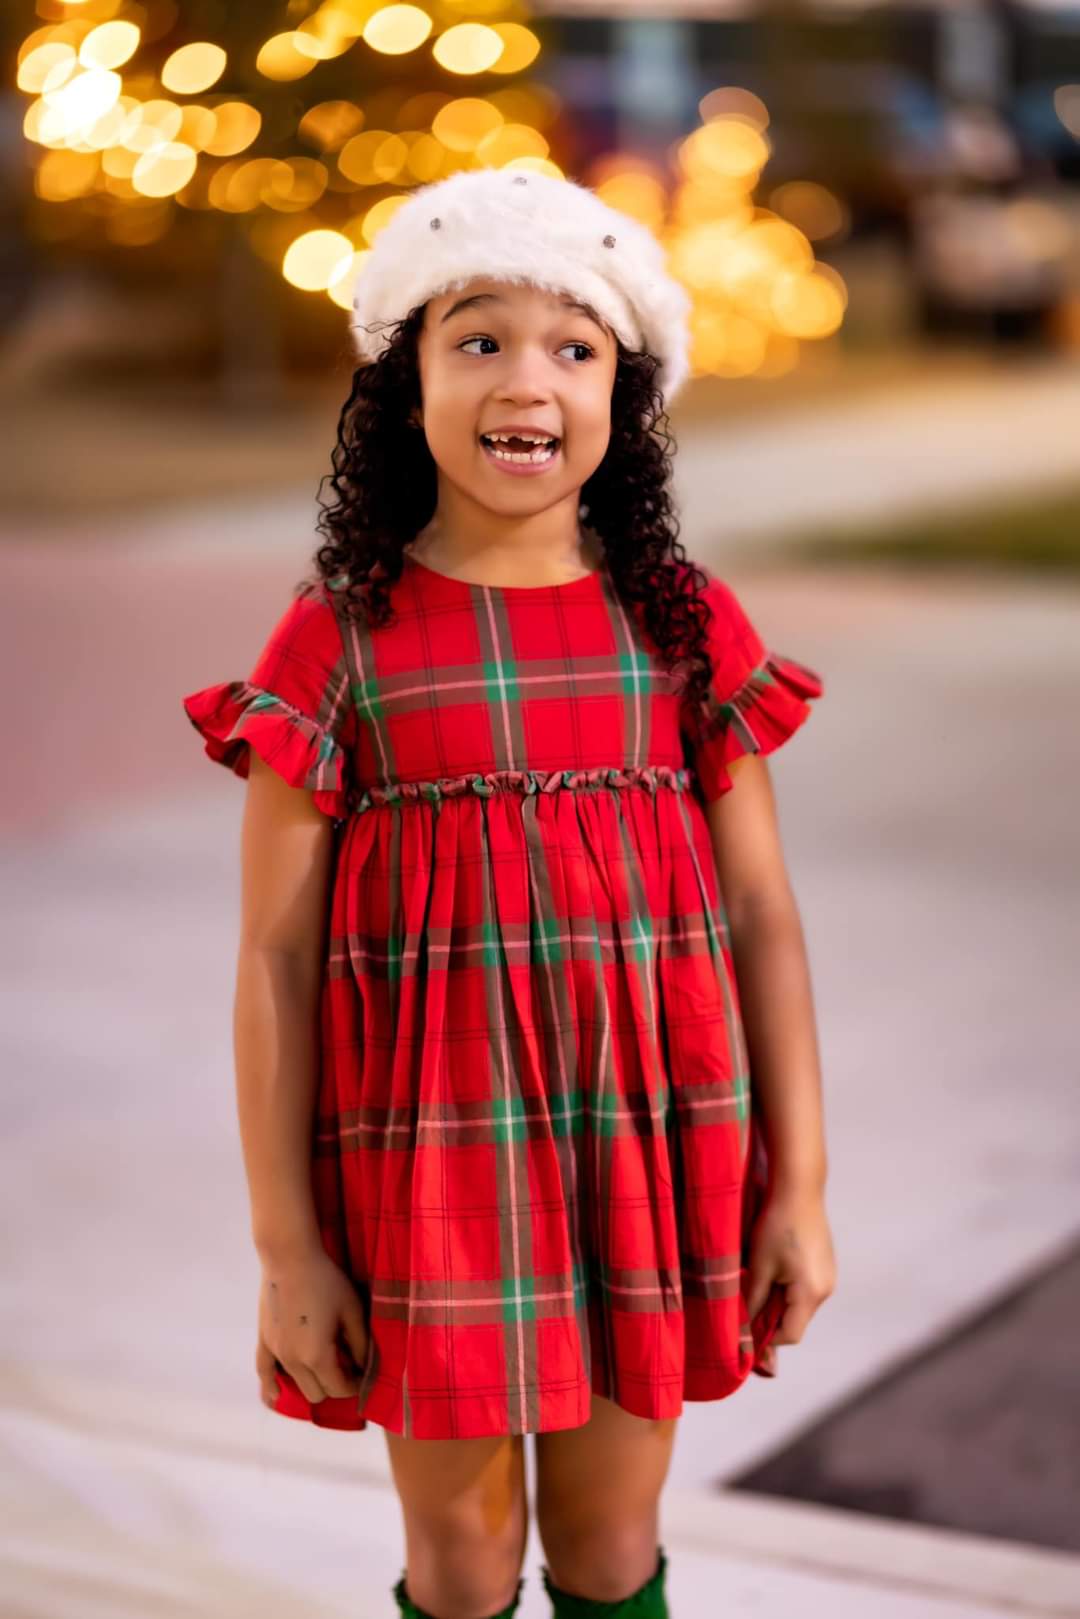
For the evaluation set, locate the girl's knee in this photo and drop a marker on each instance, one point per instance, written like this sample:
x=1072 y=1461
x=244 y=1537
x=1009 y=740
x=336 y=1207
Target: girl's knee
x=466 y=1523
x=606 y=1561
x=462 y=1571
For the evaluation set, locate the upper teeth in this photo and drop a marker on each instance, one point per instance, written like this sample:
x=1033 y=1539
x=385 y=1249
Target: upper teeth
x=529 y=438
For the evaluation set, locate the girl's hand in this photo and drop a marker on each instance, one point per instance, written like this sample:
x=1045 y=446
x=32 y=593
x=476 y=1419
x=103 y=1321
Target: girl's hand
x=304 y=1303
x=790 y=1248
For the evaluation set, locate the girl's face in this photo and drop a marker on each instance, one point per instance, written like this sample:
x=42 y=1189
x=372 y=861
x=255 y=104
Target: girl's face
x=497 y=355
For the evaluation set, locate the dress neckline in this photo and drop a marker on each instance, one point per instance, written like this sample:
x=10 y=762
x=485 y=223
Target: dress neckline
x=505 y=590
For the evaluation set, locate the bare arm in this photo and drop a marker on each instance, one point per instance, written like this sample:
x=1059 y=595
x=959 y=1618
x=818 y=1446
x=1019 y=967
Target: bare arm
x=772 y=973
x=285 y=856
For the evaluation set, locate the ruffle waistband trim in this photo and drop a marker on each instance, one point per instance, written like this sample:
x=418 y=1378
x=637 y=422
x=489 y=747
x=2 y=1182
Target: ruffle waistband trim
x=525 y=781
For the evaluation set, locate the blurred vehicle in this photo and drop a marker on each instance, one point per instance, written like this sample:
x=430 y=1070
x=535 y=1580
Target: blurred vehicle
x=1004 y=259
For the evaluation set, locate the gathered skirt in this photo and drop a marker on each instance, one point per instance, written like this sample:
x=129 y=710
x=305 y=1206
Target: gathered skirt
x=536 y=1151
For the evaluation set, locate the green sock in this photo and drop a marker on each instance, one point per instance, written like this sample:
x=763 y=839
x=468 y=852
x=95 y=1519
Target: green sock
x=411 y=1611
x=647 y=1602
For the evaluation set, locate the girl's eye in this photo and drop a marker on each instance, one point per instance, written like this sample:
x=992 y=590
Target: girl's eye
x=576 y=344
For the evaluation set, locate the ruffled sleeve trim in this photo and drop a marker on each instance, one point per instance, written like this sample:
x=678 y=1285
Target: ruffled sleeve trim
x=236 y=715
x=769 y=705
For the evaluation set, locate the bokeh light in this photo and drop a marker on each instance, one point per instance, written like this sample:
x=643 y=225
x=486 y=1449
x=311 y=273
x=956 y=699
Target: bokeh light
x=396 y=30
x=281 y=58
x=468 y=47
x=315 y=259
x=123 y=146
x=193 y=68
x=110 y=45
x=236 y=127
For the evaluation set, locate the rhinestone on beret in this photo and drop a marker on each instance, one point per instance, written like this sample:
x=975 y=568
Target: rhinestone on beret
x=609 y=241
x=436 y=224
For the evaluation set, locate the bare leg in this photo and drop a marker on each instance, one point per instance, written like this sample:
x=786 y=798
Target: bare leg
x=465 y=1515
x=597 y=1500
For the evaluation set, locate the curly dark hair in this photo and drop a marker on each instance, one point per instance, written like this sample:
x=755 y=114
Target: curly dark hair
x=385 y=488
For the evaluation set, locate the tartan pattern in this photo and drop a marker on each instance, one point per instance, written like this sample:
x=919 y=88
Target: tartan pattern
x=534 y=1149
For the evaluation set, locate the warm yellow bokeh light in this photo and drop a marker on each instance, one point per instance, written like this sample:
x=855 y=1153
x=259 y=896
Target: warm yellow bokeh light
x=699 y=253
x=162 y=171
x=115 y=187
x=329 y=124
x=380 y=215
x=237 y=126
x=427 y=158
x=84 y=98
x=499 y=149
x=781 y=357
x=35 y=70
x=109 y=45
x=342 y=288
x=375 y=157
x=158 y=121
x=520 y=47
x=533 y=104
x=113 y=127
x=468 y=47
x=63 y=176
x=396 y=30
x=281 y=59
x=640 y=195
x=726 y=343
x=65 y=33
x=193 y=68
x=462 y=124
x=806 y=305
x=295 y=184
x=326 y=33
x=197 y=127
x=316 y=259
x=119 y=162
x=536 y=165
x=729 y=146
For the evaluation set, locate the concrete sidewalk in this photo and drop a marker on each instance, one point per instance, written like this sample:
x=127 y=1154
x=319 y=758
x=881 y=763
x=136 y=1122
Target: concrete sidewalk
x=118 y=1508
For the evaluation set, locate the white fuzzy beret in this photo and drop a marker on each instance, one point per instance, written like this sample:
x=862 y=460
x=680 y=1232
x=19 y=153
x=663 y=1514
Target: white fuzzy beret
x=537 y=228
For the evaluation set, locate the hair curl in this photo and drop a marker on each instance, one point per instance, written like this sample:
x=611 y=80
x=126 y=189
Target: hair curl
x=385 y=489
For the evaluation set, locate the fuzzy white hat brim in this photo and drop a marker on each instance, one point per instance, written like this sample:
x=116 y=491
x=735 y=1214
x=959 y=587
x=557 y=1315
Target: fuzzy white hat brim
x=536 y=228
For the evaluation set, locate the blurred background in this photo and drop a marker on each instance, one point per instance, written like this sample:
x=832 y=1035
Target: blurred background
x=876 y=210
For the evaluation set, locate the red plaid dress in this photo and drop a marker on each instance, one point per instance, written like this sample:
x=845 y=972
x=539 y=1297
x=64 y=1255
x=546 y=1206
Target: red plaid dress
x=534 y=1148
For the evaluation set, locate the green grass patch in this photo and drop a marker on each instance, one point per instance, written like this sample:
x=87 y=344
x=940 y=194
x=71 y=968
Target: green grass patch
x=1034 y=534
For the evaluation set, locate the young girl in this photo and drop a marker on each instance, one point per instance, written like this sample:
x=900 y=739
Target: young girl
x=509 y=831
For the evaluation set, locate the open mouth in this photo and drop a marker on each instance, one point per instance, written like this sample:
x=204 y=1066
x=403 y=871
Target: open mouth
x=523 y=450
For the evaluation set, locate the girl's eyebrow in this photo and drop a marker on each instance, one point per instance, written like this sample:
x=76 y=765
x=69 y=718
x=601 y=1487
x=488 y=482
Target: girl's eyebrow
x=494 y=298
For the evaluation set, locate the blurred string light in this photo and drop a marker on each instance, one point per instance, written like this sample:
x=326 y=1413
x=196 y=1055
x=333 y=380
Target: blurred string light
x=135 y=147
x=757 y=292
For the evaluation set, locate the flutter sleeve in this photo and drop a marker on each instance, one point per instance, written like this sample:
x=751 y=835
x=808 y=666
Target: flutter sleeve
x=295 y=708
x=757 y=697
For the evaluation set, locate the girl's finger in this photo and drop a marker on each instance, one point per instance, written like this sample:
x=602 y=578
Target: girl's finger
x=264 y=1368
x=758 y=1288
x=768 y=1367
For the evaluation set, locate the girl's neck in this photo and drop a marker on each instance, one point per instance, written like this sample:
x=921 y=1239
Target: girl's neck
x=507 y=564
